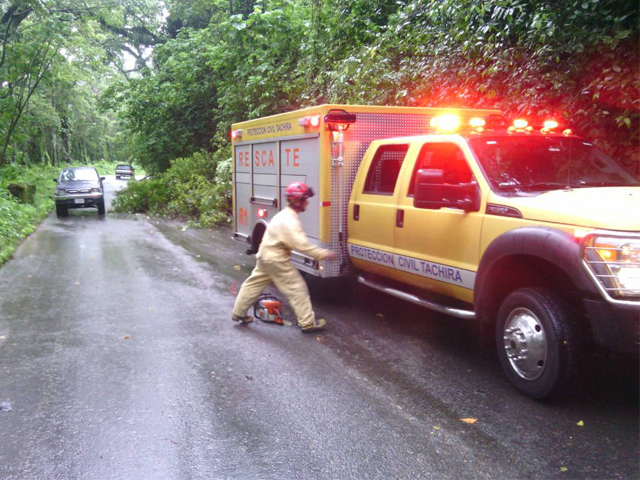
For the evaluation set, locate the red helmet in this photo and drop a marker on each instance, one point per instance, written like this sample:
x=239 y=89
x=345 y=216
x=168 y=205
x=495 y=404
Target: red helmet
x=298 y=191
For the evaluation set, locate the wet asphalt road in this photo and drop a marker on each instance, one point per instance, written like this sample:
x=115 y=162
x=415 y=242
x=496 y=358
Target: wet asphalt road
x=118 y=360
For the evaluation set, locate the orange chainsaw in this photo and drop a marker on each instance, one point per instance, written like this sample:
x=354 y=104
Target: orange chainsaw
x=268 y=309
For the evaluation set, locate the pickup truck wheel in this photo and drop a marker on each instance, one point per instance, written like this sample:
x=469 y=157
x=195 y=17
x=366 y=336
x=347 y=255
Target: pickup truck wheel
x=538 y=342
x=117 y=177
x=101 y=208
x=61 y=211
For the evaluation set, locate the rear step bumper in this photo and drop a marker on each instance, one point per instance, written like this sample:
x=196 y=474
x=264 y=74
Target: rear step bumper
x=454 y=312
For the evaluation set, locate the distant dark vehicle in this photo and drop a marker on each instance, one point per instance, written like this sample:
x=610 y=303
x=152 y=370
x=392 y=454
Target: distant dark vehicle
x=124 y=171
x=79 y=187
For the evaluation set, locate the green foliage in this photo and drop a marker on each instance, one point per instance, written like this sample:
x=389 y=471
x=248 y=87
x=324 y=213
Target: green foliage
x=56 y=58
x=196 y=187
x=232 y=61
x=17 y=220
x=146 y=196
x=216 y=62
x=578 y=59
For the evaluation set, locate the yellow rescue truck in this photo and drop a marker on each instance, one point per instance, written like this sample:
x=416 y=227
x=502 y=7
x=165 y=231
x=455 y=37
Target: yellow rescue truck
x=525 y=228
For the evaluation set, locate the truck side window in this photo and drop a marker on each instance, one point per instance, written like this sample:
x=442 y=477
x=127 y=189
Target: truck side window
x=384 y=169
x=442 y=156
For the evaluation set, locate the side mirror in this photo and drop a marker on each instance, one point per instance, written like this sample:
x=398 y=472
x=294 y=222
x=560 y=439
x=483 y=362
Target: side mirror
x=102 y=178
x=432 y=193
x=429 y=192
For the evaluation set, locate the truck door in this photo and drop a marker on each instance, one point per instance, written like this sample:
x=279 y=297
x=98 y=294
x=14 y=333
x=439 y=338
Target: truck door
x=438 y=249
x=372 y=210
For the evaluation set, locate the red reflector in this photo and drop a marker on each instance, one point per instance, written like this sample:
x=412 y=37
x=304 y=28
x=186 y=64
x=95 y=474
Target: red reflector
x=326 y=204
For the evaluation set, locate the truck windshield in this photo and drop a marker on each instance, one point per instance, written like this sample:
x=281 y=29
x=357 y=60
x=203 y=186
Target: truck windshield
x=540 y=163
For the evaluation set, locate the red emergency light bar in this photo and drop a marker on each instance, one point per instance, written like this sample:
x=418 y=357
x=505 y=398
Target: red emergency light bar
x=339 y=120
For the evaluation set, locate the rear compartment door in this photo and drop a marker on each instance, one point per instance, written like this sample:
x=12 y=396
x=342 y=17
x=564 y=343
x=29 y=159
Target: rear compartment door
x=242 y=187
x=300 y=162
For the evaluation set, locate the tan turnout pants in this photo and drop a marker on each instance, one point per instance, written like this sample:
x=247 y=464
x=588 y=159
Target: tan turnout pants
x=287 y=279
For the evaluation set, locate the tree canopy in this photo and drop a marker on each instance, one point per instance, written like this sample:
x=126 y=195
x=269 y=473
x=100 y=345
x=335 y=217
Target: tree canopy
x=67 y=89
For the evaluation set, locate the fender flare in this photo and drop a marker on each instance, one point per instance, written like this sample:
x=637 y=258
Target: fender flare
x=557 y=247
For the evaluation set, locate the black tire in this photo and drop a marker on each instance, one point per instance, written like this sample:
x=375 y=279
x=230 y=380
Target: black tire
x=117 y=177
x=539 y=342
x=101 y=208
x=62 y=211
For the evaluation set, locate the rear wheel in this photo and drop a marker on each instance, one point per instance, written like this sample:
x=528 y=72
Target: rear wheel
x=101 y=208
x=538 y=342
x=61 y=211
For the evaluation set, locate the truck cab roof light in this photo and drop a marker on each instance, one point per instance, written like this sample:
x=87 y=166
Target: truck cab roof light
x=236 y=134
x=550 y=126
x=477 y=124
x=446 y=123
x=520 y=125
x=339 y=120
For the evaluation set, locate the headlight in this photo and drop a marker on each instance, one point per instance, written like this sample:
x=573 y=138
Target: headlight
x=96 y=190
x=615 y=261
x=60 y=192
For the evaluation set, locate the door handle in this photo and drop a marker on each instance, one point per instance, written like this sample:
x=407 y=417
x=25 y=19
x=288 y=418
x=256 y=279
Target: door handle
x=356 y=212
x=399 y=218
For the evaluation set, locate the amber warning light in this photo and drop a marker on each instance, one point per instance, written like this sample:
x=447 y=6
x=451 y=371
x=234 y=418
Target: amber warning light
x=446 y=123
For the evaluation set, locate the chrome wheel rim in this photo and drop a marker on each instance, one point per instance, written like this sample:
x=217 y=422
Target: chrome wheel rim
x=525 y=343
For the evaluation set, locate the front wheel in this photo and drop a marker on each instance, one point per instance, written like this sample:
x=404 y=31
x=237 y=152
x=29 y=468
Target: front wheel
x=538 y=342
x=61 y=211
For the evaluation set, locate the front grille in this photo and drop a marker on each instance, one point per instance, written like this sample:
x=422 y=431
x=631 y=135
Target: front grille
x=84 y=190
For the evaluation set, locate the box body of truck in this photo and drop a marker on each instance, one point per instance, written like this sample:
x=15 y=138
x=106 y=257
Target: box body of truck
x=318 y=147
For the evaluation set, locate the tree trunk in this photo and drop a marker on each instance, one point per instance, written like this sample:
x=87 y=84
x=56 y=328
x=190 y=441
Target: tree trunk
x=54 y=147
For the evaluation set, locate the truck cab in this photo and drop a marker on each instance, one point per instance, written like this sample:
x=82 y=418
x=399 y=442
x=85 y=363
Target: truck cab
x=533 y=232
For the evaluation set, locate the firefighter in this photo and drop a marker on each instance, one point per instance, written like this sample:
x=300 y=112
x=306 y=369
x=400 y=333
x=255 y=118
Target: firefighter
x=273 y=262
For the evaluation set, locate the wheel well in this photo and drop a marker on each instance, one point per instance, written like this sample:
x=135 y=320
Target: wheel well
x=256 y=237
x=520 y=271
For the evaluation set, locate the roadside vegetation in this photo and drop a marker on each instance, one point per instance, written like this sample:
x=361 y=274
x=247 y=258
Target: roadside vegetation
x=158 y=83
x=197 y=187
